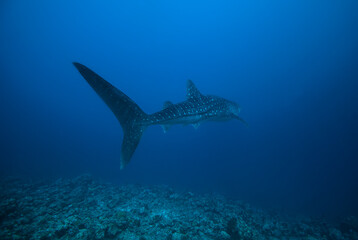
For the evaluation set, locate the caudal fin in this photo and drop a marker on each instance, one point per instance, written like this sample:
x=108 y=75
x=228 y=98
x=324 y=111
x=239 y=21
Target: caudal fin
x=128 y=113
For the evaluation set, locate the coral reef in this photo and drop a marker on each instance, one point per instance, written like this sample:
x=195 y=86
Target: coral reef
x=83 y=208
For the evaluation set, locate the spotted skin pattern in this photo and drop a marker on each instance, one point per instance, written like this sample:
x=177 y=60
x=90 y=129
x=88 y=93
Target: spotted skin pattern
x=196 y=109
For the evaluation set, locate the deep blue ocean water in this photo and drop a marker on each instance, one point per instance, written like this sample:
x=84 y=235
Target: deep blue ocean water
x=291 y=65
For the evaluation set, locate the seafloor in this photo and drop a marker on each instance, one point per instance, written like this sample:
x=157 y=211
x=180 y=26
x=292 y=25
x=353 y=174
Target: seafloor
x=83 y=208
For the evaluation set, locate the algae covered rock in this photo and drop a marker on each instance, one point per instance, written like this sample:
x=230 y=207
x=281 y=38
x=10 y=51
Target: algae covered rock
x=84 y=208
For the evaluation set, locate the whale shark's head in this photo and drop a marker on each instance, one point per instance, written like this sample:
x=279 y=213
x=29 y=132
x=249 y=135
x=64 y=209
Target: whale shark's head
x=234 y=108
x=224 y=109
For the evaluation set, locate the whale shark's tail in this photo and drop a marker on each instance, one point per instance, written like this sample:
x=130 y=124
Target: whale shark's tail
x=128 y=113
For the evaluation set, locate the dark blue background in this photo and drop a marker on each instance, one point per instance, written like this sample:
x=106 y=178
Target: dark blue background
x=291 y=65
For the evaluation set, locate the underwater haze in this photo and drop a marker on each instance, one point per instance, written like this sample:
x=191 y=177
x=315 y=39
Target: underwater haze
x=292 y=66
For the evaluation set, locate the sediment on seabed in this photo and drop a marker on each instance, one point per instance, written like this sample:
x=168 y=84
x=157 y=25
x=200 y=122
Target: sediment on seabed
x=84 y=208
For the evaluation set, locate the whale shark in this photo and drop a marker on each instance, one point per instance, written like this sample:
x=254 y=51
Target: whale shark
x=196 y=109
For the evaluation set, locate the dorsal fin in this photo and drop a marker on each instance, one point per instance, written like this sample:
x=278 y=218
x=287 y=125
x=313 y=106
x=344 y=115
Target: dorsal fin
x=167 y=104
x=191 y=90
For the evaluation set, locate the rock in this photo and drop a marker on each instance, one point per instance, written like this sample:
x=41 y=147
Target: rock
x=61 y=231
x=177 y=236
x=266 y=227
x=224 y=235
x=334 y=233
x=83 y=208
x=113 y=230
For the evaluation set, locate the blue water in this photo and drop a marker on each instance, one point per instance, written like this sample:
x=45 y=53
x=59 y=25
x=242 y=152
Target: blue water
x=291 y=65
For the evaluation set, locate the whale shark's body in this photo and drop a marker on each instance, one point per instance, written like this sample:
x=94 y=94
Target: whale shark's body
x=196 y=109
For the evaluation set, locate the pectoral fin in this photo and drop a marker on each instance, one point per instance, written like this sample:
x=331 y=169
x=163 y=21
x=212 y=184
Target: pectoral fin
x=166 y=127
x=243 y=121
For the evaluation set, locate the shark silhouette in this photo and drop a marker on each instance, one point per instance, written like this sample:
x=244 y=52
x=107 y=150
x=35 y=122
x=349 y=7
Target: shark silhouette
x=196 y=109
